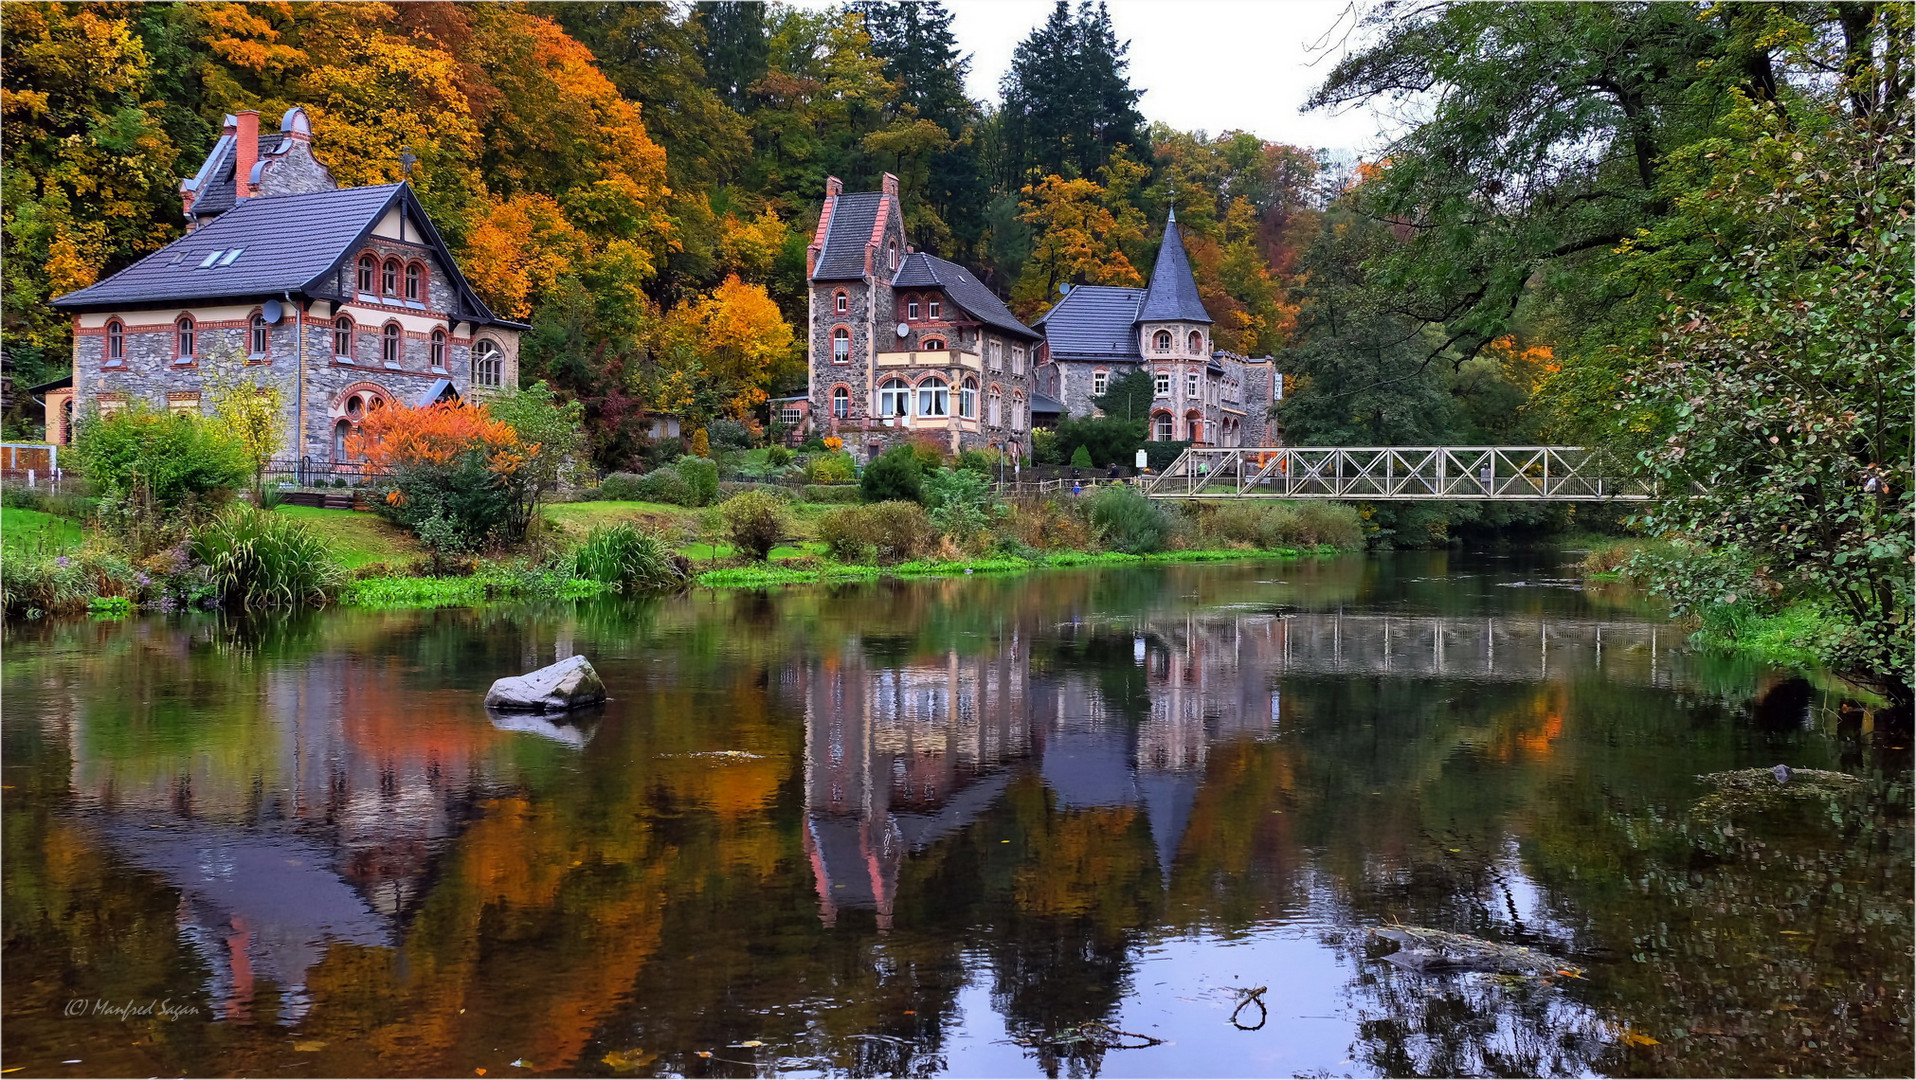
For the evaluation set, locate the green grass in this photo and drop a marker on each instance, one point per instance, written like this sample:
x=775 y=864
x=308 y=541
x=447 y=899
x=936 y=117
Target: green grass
x=30 y=530
x=356 y=538
x=488 y=585
x=753 y=577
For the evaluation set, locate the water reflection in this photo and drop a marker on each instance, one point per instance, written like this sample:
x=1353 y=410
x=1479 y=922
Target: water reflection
x=940 y=827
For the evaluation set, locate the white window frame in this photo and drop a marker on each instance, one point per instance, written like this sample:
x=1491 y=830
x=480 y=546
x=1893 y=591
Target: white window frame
x=841 y=403
x=931 y=308
x=934 y=399
x=894 y=398
x=1100 y=383
x=841 y=356
x=1161 y=384
x=911 y=309
x=968 y=399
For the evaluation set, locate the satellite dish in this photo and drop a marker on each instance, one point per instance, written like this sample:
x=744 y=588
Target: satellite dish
x=904 y=329
x=271 y=311
x=1064 y=288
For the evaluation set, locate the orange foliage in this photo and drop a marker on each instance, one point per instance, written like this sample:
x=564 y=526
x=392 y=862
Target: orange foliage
x=1525 y=366
x=435 y=435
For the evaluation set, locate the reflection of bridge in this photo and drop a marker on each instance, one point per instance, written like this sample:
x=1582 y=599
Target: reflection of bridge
x=1398 y=473
x=1501 y=648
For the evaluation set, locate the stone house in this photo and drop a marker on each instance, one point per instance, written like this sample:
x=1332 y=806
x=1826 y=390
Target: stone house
x=1098 y=333
x=903 y=344
x=345 y=299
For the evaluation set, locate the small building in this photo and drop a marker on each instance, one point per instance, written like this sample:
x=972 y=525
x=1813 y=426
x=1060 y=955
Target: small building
x=1098 y=333
x=345 y=299
x=903 y=344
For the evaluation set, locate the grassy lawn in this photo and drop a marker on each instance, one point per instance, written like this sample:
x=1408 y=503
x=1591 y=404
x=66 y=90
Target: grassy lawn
x=357 y=538
x=580 y=518
x=31 y=529
x=697 y=552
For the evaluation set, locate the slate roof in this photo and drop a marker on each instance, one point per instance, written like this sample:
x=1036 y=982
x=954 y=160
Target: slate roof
x=853 y=217
x=1173 y=294
x=1094 y=322
x=920 y=270
x=289 y=243
x=213 y=187
x=1045 y=405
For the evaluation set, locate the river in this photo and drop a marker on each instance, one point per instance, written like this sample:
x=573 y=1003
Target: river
x=1055 y=824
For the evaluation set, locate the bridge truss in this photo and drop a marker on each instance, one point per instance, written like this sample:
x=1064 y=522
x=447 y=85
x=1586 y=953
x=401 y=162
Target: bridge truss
x=1399 y=473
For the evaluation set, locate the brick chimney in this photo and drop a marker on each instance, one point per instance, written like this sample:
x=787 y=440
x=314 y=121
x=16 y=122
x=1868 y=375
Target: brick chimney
x=246 y=152
x=889 y=185
x=834 y=187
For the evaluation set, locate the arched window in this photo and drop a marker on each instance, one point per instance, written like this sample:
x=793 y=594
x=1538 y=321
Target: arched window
x=355 y=407
x=841 y=346
x=841 y=302
x=343 y=338
x=968 y=399
x=115 y=342
x=891 y=254
x=389 y=345
x=415 y=280
x=258 y=337
x=932 y=344
x=1195 y=343
x=341 y=431
x=368 y=270
x=841 y=403
x=1018 y=410
x=183 y=339
x=1161 y=427
x=894 y=398
x=1161 y=341
x=488 y=364
x=911 y=308
x=995 y=408
x=439 y=350
x=934 y=397
x=389 y=278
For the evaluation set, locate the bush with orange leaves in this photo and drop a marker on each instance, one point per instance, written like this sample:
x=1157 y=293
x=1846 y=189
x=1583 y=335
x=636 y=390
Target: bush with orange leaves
x=452 y=474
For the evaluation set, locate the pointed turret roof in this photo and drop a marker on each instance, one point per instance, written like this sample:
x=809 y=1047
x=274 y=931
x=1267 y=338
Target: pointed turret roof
x=1173 y=293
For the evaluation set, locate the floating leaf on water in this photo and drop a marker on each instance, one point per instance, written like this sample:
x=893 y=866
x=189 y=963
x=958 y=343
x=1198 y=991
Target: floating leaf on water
x=307 y=1046
x=628 y=1060
x=705 y=1053
x=752 y=1042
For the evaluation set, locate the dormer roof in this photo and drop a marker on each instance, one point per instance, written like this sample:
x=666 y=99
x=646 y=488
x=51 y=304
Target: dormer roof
x=920 y=270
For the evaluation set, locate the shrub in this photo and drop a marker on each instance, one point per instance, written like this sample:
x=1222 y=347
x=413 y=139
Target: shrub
x=778 y=456
x=630 y=559
x=1048 y=525
x=701 y=480
x=1081 y=458
x=830 y=493
x=454 y=462
x=984 y=461
x=665 y=451
x=811 y=445
x=1127 y=521
x=960 y=502
x=35 y=583
x=622 y=487
x=882 y=532
x=1274 y=525
x=149 y=462
x=827 y=468
x=756 y=522
x=896 y=475
x=700 y=445
x=728 y=435
x=263 y=560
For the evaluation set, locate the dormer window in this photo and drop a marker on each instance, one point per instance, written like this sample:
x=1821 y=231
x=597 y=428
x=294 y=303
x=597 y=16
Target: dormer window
x=368 y=269
x=115 y=342
x=1161 y=341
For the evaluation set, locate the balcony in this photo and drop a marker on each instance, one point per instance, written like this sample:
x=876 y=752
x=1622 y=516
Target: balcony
x=940 y=358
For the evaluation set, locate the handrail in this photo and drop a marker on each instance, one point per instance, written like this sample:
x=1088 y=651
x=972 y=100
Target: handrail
x=1400 y=474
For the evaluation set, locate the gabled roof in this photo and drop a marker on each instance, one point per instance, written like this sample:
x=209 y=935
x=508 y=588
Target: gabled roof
x=1094 y=322
x=1173 y=293
x=293 y=243
x=920 y=270
x=850 y=229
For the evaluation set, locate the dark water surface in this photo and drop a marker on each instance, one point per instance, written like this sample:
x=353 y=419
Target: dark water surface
x=972 y=826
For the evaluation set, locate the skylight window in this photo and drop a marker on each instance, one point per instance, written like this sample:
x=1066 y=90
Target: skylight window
x=230 y=256
x=211 y=258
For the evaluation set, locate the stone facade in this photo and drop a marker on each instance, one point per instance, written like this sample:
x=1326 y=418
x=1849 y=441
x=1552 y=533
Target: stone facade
x=436 y=335
x=982 y=367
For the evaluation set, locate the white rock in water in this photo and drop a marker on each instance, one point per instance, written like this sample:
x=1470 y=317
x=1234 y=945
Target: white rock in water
x=567 y=684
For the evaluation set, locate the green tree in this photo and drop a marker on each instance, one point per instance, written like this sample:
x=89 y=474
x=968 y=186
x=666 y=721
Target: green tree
x=1068 y=100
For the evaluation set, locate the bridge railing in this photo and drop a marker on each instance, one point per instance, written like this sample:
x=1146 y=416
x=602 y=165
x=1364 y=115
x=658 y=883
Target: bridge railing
x=1400 y=473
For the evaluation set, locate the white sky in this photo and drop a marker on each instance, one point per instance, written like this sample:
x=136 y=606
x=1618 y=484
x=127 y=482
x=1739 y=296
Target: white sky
x=1211 y=65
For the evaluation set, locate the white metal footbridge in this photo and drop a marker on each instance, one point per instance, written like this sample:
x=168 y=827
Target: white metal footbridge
x=1399 y=473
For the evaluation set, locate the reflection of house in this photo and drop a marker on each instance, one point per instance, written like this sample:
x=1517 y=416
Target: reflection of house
x=343 y=298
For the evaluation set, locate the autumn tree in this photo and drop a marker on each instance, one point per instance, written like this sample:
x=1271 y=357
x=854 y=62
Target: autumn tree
x=1079 y=240
x=249 y=411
